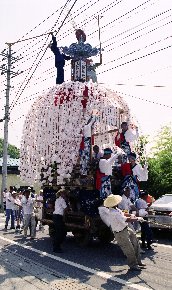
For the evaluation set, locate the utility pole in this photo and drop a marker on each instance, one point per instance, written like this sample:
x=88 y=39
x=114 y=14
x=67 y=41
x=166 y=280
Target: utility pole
x=6 y=118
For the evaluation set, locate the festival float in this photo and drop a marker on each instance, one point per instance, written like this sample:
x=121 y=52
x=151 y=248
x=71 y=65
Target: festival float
x=54 y=151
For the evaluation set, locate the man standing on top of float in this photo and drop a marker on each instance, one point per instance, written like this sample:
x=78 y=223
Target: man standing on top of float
x=59 y=60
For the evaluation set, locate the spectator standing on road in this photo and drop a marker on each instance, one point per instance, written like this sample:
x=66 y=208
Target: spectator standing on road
x=9 y=209
x=125 y=237
x=28 y=212
x=4 y=200
x=59 y=226
x=126 y=203
x=146 y=232
x=127 y=206
x=17 y=210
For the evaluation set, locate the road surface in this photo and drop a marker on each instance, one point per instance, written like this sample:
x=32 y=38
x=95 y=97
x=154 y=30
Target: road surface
x=31 y=264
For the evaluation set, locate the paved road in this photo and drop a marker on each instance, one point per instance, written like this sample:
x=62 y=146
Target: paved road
x=32 y=265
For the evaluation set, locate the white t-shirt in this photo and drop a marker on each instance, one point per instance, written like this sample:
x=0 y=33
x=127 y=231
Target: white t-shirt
x=4 y=196
x=131 y=135
x=117 y=220
x=113 y=218
x=125 y=203
x=16 y=203
x=140 y=172
x=60 y=206
x=27 y=205
x=9 y=204
x=141 y=204
x=105 y=165
x=104 y=214
x=87 y=128
x=39 y=198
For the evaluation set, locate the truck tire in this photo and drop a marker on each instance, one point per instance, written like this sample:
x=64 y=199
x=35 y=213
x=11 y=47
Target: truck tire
x=83 y=238
x=105 y=236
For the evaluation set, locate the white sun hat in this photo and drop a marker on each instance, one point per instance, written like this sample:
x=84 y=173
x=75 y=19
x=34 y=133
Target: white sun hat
x=112 y=200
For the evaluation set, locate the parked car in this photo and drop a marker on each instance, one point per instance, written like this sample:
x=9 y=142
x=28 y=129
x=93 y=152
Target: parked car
x=160 y=217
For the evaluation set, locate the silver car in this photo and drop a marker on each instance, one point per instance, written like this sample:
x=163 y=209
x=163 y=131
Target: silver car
x=161 y=208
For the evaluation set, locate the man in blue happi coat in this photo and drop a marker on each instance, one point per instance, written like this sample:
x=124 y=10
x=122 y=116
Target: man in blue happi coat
x=59 y=60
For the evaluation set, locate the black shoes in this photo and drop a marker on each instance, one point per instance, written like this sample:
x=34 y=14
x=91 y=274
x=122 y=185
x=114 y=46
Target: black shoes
x=142 y=265
x=135 y=268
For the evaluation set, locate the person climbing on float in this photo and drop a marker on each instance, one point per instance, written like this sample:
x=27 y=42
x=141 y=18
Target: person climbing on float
x=134 y=173
x=124 y=138
x=85 y=147
x=59 y=60
x=103 y=182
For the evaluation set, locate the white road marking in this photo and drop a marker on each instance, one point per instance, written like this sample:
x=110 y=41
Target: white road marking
x=163 y=246
x=101 y=274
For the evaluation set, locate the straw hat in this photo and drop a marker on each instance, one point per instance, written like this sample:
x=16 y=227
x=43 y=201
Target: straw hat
x=60 y=191
x=112 y=200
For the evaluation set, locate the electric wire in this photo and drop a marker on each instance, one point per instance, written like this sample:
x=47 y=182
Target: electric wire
x=144 y=22
x=13 y=104
x=137 y=50
x=138 y=58
x=143 y=28
x=145 y=100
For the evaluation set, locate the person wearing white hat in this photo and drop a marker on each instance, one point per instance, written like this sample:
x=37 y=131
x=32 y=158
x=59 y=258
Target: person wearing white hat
x=125 y=237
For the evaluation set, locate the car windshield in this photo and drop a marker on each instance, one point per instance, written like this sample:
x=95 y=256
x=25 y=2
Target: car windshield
x=164 y=199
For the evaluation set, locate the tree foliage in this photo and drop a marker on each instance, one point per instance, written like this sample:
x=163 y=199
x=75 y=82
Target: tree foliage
x=13 y=151
x=160 y=164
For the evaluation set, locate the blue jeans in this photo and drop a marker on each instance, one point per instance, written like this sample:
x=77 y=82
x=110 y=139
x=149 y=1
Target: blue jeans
x=9 y=212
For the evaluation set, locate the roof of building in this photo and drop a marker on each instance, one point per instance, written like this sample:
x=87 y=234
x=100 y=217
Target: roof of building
x=10 y=161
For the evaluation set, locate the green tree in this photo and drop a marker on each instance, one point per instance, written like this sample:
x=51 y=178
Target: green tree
x=160 y=164
x=13 y=151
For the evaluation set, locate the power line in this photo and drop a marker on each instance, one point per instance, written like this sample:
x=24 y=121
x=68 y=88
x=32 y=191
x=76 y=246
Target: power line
x=137 y=50
x=135 y=59
x=138 y=30
x=48 y=17
x=123 y=15
x=151 y=72
x=80 y=11
x=145 y=100
x=13 y=104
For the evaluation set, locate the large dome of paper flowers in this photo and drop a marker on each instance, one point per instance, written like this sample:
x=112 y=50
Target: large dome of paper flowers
x=53 y=129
